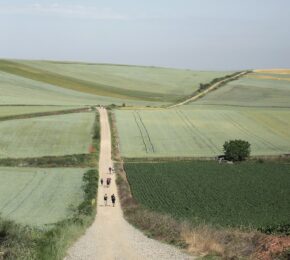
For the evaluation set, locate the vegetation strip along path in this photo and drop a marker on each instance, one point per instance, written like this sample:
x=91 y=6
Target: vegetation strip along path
x=215 y=85
x=110 y=236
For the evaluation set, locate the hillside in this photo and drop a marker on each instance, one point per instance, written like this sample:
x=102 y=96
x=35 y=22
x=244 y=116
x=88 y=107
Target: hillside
x=112 y=83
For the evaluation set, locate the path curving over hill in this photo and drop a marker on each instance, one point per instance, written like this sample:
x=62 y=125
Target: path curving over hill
x=212 y=87
x=110 y=236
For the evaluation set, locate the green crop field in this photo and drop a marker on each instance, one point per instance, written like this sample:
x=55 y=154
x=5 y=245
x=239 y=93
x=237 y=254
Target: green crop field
x=246 y=194
x=16 y=90
x=39 y=197
x=201 y=131
x=114 y=81
x=49 y=135
x=253 y=90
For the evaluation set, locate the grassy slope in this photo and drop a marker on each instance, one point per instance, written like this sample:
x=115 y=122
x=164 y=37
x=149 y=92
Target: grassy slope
x=39 y=197
x=251 y=91
x=247 y=194
x=126 y=82
x=201 y=131
x=17 y=90
x=49 y=135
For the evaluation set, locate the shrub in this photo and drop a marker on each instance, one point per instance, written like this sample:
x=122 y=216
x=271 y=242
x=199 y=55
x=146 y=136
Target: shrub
x=237 y=150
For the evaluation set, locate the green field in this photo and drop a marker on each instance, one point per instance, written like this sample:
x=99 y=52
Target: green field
x=113 y=82
x=253 y=90
x=16 y=90
x=247 y=194
x=44 y=136
x=201 y=131
x=39 y=197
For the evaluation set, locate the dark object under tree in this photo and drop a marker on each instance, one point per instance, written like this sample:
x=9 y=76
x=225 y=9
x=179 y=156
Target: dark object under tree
x=237 y=150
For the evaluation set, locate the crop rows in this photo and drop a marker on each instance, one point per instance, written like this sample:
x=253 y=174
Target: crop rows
x=46 y=136
x=247 y=194
x=39 y=197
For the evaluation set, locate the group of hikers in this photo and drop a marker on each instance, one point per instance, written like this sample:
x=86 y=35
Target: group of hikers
x=113 y=199
x=108 y=182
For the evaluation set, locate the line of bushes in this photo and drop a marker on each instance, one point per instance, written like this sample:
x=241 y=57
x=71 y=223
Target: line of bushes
x=49 y=113
x=75 y=160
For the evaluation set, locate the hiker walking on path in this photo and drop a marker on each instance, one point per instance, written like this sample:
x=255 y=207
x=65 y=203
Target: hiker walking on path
x=110 y=170
x=113 y=198
x=108 y=181
x=102 y=181
x=106 y=199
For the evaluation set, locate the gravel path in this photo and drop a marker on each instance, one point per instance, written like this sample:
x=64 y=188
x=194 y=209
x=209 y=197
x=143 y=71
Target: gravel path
x=110 y=236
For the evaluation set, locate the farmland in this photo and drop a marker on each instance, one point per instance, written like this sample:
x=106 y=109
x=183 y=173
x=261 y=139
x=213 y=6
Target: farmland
x=131 y=84
x=39 y=197
x=16 y=90
x=253 y=90
x=248 y=194
x=201 y=131
x=49 y=135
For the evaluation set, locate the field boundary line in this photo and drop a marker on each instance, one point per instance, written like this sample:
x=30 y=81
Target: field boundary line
x=49 y=113
x=212 y=87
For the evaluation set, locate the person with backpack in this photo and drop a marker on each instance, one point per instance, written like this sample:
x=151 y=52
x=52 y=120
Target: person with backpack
x=113 y=198
x=105 y=199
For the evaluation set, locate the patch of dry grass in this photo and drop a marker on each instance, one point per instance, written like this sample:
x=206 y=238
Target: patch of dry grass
x=257 y=76
x=274 y=71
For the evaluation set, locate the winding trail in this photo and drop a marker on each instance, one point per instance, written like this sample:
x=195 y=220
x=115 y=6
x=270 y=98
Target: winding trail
x=212 y=87
x=110 y=236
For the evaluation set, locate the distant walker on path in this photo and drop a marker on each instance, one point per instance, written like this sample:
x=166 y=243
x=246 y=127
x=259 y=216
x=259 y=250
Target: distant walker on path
x=108 y=181
x=106 y=199
x=113 y=198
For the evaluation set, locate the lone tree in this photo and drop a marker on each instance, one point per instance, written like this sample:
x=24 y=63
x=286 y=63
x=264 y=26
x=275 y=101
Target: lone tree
x=237 y=150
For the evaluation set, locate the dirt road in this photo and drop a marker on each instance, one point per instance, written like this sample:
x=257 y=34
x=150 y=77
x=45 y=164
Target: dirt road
x=207 y=90
x=110 y=236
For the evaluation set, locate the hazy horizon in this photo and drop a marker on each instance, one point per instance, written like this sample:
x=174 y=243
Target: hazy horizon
x=192 y=34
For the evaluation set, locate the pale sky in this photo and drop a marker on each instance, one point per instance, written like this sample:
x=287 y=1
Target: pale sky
x=194 y=34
